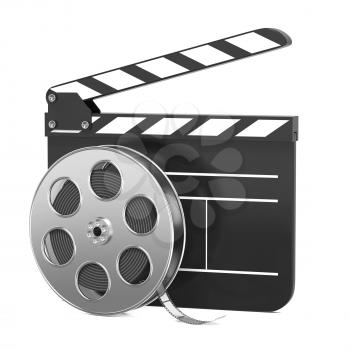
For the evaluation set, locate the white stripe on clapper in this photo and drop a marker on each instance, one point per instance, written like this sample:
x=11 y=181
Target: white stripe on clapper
x=167 y=126
x=118 y=79
x=213 y=127
x=120 y=125
x=207 y=55
x=162 y=67
x=252 y=42
x=262 y=128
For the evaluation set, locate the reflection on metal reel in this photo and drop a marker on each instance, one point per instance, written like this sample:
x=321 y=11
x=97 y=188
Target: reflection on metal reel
x=111 y=236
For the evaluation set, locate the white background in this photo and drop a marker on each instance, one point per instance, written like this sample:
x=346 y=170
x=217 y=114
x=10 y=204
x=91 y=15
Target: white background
x=43 y=43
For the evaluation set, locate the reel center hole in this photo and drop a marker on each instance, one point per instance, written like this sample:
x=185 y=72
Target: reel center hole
x=97 y=231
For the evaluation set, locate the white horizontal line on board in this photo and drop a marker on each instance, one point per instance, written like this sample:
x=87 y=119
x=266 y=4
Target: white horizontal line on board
x=257 y=200
x=174 y=173
x=66 y=131
x=231 y=272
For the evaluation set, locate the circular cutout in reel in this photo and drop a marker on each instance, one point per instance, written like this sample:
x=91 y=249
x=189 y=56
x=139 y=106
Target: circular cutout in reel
x=64 y=197
x=117 y=240
x=141 y=215
x=58 y=247
x=105 y=180
x=134 y=265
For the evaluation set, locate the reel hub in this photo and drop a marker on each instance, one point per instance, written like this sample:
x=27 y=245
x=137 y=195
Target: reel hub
x=99 y=231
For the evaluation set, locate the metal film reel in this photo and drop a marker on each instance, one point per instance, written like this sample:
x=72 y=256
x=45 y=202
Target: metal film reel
x=107 y=229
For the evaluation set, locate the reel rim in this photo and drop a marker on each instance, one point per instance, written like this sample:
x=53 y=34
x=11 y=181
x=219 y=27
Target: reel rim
x=178 y=232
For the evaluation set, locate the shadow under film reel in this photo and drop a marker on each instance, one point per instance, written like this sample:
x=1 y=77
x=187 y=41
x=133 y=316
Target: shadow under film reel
x=108 y=231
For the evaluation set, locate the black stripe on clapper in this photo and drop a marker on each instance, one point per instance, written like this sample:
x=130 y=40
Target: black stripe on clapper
x=275 y=35
x=102 y=122
x=193 y=124
x=282 y=132
x=145 y=124
x=184 y=61
x=230 y=131
x=97 y=85
x=230 y=49
x=140 y=73
x=243 y=124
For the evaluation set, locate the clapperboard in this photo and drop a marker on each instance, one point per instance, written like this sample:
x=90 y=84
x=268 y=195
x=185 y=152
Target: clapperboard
x=235 y=175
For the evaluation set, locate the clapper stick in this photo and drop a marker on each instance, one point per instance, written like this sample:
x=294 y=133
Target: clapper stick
x=174 y=64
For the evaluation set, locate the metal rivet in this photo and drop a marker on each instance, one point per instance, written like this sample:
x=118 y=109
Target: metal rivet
x=51 y=98
x=85 y=124
x=52 y=124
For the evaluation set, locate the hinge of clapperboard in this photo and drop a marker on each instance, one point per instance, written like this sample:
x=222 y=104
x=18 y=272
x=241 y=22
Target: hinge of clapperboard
x=71 y=107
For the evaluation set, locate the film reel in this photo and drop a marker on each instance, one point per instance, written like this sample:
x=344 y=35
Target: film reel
x=108 y=231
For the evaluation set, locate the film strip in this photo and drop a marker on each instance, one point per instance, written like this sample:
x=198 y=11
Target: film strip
x=178 y=314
